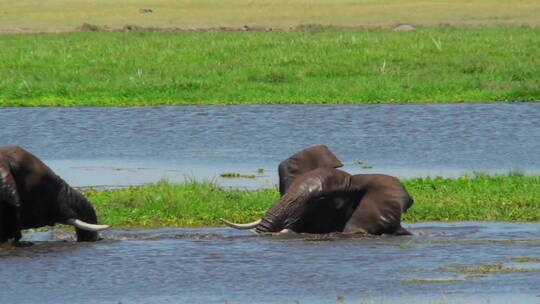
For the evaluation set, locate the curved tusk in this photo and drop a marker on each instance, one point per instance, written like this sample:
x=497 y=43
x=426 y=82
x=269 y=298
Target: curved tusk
x=241 y=226
x=85 y=226
x=286 y=231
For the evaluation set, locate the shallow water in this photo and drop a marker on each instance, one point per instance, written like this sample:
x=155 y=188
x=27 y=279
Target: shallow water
x=218 y=265
x=125 y=146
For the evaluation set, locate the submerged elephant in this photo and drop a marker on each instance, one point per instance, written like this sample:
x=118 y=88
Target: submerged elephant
x=32 y=196
x=326 y=200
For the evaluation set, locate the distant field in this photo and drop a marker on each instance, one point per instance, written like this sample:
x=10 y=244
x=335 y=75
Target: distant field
x=66 y=15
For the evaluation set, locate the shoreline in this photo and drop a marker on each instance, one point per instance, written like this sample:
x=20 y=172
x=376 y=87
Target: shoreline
x=62 y=15
x=394 y=27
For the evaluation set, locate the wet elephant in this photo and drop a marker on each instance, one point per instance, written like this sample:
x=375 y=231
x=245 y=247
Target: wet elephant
x=32 y=196
x=326 y=200
x=305 y=161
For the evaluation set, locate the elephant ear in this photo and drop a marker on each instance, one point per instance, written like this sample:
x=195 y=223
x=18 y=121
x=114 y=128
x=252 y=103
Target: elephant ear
x=8 y=187
x=304 y=161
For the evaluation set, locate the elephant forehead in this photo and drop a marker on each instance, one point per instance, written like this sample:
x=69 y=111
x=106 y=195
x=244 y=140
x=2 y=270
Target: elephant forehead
x=311 y=184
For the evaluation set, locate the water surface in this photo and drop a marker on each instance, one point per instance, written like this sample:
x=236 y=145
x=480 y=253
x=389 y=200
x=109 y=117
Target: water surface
x=122 y=146
x=218 y=265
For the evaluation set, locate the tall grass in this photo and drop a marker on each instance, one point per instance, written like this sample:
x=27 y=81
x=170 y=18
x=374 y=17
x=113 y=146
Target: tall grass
x=310 y=66
x=512 y=197
x=184 y=205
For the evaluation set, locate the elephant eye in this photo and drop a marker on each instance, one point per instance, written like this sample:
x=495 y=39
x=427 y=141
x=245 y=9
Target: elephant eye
x=321 y=198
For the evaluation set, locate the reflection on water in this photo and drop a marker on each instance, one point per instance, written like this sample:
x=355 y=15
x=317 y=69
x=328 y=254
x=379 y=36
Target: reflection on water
x=218 y=265
x=118 y=146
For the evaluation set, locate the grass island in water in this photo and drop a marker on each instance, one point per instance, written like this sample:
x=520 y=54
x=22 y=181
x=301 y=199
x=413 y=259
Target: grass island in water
x=511 y=197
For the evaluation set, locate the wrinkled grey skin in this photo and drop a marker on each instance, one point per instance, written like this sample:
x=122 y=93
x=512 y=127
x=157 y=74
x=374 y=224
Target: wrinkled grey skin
x=32 y=196
x=328 y=200
x=318 y=198
x=305 y=161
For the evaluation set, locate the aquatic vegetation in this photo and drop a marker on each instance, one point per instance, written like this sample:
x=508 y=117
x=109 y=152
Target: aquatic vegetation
x=525 y=260
x=409 y=245
x=511 y=197
x=466 y=242
x=236 y=175
x=486 y=269
x=433 y=281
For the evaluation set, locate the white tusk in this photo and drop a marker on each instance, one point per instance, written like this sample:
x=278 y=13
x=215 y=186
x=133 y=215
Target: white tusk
x=286 y=231
x=84 y=225
x=241 y=226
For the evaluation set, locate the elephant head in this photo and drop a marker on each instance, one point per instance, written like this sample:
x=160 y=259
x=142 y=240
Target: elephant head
x=79 y=213
x=305 y=161
x=328 y=200
x=32 y=196
x=306 y=206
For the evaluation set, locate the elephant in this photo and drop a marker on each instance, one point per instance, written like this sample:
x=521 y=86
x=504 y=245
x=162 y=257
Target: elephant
x=327 y=200
x=32 y=196
x=306 y=160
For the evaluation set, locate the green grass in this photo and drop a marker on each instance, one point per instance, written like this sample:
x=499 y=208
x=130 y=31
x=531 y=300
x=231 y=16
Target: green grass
x=342 y=59
x=184 y=205
x=64 y=15
x=316 y=66
x=511 y=197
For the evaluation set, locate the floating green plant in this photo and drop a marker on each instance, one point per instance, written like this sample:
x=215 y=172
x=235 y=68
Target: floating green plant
x=525 y=260
x=236 y=175
x=486 y=269
x=433 y=281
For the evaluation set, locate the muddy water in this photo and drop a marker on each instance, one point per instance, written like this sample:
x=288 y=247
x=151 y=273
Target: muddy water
x=125 y=146
x=218 y=265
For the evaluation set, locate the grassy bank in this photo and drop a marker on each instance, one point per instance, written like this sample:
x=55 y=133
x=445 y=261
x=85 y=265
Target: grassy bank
x=314 y=65
x=65 y=15
x=511 y=197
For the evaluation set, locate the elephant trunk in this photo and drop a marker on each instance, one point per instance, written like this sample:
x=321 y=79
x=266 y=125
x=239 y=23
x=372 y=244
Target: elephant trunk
x=276 y=218
x=87 y=215
x=287 y=212
x=267 y=225
x=281 y=217
x=81 y=215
